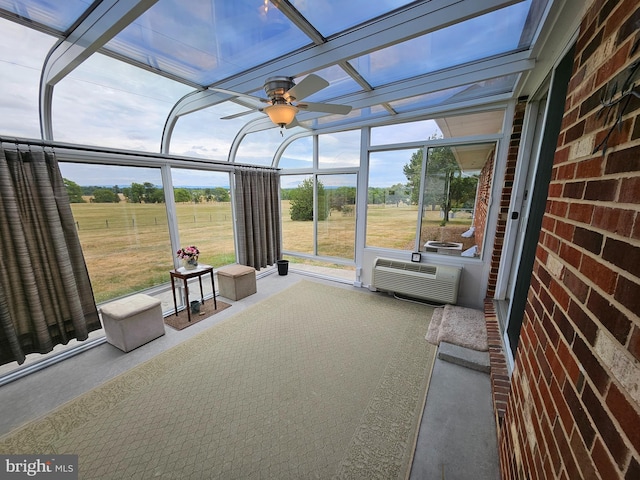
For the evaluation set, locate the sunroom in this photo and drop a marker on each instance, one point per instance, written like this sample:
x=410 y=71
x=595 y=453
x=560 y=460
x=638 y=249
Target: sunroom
x=400 y=118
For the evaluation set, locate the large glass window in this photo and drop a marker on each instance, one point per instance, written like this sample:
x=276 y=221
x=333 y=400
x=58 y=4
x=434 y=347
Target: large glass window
x=298 y=154
x=113 y=104
x=449 y=189
x=121 y=220
x=22 y=54
x=336 y=225
x=451 y=183
x=296 y=194
x=339 y=150
x=205 y=217
x=392 y=211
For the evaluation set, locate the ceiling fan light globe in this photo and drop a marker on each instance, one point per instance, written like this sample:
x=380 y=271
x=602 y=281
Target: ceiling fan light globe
x=281 y=114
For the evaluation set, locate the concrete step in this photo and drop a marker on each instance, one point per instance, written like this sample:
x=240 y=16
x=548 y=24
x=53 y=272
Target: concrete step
x=464 y=357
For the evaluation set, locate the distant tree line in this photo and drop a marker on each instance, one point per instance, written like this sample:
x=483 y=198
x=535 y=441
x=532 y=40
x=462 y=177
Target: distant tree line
x=143 y=193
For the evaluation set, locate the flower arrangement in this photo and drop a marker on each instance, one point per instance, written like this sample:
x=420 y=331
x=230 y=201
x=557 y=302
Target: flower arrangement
x=188 y=253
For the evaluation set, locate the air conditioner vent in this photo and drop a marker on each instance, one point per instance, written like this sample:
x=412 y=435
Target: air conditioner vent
x=438 y=283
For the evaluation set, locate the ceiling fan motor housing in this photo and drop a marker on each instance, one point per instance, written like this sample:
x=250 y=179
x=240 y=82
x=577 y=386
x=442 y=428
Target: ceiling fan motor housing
x=276 y=87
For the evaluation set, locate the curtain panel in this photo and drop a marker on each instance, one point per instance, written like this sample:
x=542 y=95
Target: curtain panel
x=46 y=297
x=257 y=216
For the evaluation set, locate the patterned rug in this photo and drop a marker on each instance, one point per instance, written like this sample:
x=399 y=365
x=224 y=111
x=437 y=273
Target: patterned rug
x=314 y=382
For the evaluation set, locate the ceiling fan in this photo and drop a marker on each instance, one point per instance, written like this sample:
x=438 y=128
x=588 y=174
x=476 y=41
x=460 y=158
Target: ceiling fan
x=285 y=99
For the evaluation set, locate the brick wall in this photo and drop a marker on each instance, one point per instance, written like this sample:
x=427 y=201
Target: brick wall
x=505 y=198
x=574 y=406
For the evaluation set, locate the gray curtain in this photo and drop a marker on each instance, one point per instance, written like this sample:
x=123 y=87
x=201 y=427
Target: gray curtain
x=46 y=298
x=257 y=216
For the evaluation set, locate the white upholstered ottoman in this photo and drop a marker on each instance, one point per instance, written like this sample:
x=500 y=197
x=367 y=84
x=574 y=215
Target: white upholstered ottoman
x=132 y=321
x=237 y=281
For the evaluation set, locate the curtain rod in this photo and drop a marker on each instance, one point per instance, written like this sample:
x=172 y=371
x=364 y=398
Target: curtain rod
x=87 y=148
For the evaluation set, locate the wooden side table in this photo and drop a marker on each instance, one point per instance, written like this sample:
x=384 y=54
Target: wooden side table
x=185 y=275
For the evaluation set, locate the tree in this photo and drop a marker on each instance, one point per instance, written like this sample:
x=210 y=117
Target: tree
x=341 y=197
x=413 y=172
x=135 y=193
x=181 y=195
x=221 y=194
x=74 y=191
x=442 y=172
x=302 y=202
x=104 y=195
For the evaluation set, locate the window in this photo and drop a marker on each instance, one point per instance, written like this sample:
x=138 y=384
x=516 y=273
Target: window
x=451 y=183
x=122 y=223
x=336 y=224
x=296 y=194
x=392 y=211
x=203 y=210
x=298 y=154
x=339 y=150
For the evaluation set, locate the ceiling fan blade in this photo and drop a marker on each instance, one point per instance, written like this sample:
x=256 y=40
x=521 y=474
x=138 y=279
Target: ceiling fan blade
x=248 y=100
x=307 y=86
x=240 y=114
x=324 y=108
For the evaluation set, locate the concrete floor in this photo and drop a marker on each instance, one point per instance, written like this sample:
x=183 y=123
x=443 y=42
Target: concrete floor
x=457 y=438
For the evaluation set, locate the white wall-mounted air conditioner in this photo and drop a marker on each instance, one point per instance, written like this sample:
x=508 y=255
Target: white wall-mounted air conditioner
x=436 y=283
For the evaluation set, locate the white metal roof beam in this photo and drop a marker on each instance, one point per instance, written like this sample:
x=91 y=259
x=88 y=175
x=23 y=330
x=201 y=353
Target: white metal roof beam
x=101 y=25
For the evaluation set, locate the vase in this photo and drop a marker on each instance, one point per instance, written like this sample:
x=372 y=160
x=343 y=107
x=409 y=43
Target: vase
x=190 y=263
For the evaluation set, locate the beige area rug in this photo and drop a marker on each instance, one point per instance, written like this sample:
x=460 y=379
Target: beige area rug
x=314 y=382
x=461 y=326
x=181 y=321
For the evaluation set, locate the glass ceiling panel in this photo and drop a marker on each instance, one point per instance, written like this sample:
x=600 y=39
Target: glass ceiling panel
x=333 y=16
x=449 y=96
x=491 y=34
x=113 y=104
x=340 y=83
x=206 y=41
x=22 y=54
x=59 y=15
x=204 y=134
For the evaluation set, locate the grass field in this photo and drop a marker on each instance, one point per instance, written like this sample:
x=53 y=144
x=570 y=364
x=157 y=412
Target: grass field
x=126 y=246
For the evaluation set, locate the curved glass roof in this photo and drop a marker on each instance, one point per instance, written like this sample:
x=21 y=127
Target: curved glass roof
x=136 y=73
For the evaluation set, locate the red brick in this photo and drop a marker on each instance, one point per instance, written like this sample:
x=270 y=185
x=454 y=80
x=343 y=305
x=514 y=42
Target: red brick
x=602 y=190
x=581 y=419
x=603 y=461
x=583 y=322
x=571 y=255
x=624 y=160
x=599 y=273
x=605 y=426
x=575 y=285
x=623 y=255
x=588 y=239
x=581 y=212
x=613 y=220
x=582 y=456
x=592 y=367
x=629 y=190
x=574 y=189
x=627 y=294
x=633 y=470
x=619 y=135
x=627 y=416
x=590 y=168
